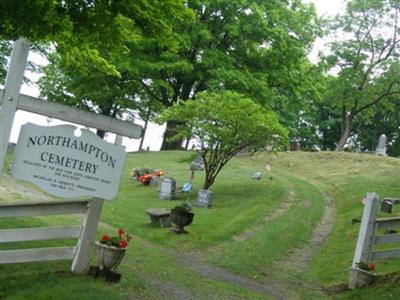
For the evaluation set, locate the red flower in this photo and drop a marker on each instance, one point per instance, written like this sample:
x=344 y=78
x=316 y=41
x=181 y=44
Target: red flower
x=372 y=267
x=158 y=173
x=123 y=244
x=105 y=238
x=145 y=179
x=121 y=232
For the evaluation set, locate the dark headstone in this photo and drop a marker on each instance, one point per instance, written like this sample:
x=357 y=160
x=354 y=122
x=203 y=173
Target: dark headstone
x=295 y=145
x=197 y=164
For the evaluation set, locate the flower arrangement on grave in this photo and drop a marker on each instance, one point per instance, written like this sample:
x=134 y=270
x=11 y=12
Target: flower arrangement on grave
x=145 y=179
x=138 y=172
x=158 y=173
x=371 y=267
x=120 y=241
x=145 y=175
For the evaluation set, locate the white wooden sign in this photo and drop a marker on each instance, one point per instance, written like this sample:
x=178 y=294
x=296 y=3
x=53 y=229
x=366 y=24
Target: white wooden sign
x=60 y=163
x=66 y=165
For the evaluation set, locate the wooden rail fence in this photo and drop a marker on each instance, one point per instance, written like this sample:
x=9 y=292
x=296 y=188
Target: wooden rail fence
x=84 y=233
x=369 y=237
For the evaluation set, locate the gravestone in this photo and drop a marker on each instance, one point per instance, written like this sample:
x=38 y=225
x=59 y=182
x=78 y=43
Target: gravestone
x=295 y=145
x=381 y=148
x=204 y=198
x=197 y=164
x=168 y=188
x=256 y=176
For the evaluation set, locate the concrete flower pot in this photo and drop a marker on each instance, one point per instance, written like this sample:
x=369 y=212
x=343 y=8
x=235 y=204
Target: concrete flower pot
x=108 y=257
x=181 y=219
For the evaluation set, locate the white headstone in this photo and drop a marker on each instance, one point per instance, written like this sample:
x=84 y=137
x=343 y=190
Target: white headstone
x=68 y=166
x=204 y=198
x=256 y=176
x=168 y=188
x=381 y=149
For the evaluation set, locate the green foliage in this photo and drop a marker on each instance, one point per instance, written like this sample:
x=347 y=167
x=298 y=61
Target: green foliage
x=255 y=48
x=367 y=59
x=185 y=207
x=385 y=119
x=93 y=66
x=225 y=123
x=5 y=51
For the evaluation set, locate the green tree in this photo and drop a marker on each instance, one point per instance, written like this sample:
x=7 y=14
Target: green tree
x=91 y=57
x=91 y=89
x=385 y=119
x=366 y=58
x=257 y=48
x=5 y=51
x=224 y=124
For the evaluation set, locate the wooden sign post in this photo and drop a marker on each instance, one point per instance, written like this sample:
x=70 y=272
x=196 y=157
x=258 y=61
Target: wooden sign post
x=9 y=99
x=62 y=163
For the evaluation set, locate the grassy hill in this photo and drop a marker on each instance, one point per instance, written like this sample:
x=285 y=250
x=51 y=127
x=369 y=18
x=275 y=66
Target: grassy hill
x=266 y=235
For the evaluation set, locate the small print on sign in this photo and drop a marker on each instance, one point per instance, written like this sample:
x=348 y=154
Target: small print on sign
x=68 y=166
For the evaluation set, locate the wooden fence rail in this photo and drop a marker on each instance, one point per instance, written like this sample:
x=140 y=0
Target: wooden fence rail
x=83 y=233
x=368 y=237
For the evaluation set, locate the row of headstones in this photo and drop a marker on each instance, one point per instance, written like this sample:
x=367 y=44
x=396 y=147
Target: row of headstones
x=168 y=192
x=380 y=149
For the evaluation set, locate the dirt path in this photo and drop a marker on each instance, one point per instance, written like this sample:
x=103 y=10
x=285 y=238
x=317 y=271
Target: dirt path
x=299 y=259
x=271 y=290
x=302 y=257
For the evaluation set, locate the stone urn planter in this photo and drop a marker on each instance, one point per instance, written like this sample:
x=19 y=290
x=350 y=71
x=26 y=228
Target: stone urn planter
x=181 y=218
x=108 y=257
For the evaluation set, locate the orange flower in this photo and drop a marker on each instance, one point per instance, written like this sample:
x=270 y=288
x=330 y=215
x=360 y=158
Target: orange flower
x=372 y=267
x=121 y=232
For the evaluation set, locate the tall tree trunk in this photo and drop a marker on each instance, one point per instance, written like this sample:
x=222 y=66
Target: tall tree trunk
x=346 y=129
x=101 y=133
x=146 y=122
x=169 y=133
x=187 y=143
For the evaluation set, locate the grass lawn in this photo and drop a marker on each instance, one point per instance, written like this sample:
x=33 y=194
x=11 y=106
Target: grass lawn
x=253 y=230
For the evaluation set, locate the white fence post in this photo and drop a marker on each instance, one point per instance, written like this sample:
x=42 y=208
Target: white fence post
x=365 y=241
x=9 y=100
x=81 y=260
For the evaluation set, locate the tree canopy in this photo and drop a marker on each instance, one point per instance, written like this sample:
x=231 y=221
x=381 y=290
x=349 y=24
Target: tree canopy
x=225 y=123
x=91 y=43
x=366 y=58
x=110 y=56
x=256 y=48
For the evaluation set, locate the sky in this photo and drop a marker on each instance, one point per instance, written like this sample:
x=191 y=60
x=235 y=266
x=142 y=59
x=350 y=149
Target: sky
x=154 y=132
